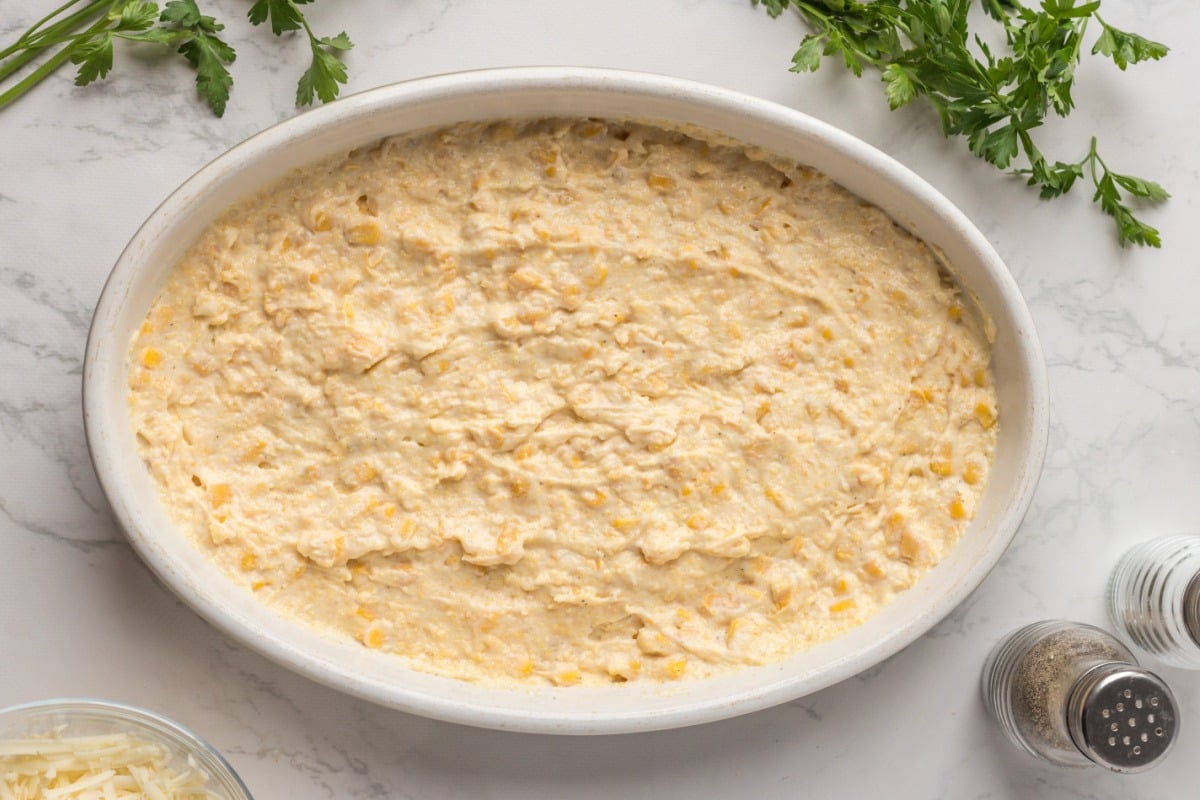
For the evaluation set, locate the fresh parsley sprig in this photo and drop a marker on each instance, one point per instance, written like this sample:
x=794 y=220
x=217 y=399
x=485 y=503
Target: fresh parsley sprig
x=321 y=79
x=927 y=48
x=84 y=32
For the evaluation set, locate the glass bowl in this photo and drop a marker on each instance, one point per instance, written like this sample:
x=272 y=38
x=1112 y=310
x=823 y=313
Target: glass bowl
x=65 y=718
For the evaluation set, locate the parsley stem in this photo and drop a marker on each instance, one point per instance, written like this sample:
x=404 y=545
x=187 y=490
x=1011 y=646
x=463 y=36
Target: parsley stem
x=1091 y=160
x=33 y=29
x=36 y=77
x=13 y=93
x=36 y=39
x=30 y=47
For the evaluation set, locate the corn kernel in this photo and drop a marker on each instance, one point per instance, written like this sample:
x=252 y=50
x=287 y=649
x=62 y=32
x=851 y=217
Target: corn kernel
x=718 y=489
x=848 y=362
x=258 y=585
x=408 y=527
x=596 y=498
x=314 y=278
x=842 y=605
x=526 y=669
x=980 y=377
x=842 y=554
x=373 y=638
x=957 y=510
x=220 y=494
x=955 y=311
x=940 y=467
x=841 y=586
x=697 y=521
x=658 y=181
x=622 y=523
x=985 y=415
x=520 y=487
x=685 y=490
x=971 y=474
x=591 y=130
x=366 y=234
x=551 y=171
x=873 y=569
x=389 y=510
x=731 y=630
x=826 y=333
x=249 y=562
x=568 y=677
x=365 y=613
x=321 y=221
x=675 y=668
x=151 y=357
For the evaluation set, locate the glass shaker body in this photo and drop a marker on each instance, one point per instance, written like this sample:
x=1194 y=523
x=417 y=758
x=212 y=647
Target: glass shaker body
x=1073 y=695
x=1154 y=599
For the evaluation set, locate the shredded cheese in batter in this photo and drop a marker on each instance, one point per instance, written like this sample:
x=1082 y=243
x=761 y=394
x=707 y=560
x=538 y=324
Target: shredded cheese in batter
x=566 y=401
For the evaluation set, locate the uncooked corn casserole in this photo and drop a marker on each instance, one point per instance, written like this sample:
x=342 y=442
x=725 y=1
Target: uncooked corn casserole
x=568 y=401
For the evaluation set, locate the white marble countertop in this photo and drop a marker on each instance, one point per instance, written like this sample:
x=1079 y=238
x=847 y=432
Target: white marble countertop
x=79 y=614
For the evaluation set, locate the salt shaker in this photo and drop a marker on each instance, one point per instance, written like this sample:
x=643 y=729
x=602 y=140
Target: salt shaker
x=1071 y=694
x=1154 y=599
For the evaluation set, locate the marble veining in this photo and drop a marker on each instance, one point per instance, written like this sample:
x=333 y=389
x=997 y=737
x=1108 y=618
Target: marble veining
x=79 y=614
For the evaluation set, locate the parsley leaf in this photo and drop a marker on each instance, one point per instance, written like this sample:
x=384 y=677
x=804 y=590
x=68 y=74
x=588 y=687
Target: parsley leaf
x=808 y=57
x=325 y=76
x=900 y=89
x=1126 y=48
x=95 y=59
x=284 y=15
x=322 y=78
x=995 y=100
x=84 y=32
x=204 y=50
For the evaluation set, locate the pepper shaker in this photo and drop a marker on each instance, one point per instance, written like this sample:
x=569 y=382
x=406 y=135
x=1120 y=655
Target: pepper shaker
x=1154 y=599
x=1073 y=695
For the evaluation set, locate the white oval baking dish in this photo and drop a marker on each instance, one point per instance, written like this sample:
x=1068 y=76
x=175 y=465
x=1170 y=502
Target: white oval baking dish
x=524 y=92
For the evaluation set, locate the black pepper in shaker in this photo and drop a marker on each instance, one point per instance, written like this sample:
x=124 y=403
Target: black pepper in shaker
x=1071 y=694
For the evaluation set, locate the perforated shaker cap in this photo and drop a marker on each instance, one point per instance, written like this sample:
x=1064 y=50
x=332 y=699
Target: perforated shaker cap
x=1122 y=717
x=1191 y=608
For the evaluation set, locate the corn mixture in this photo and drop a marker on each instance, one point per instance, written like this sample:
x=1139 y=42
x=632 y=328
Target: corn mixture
x=566 y=401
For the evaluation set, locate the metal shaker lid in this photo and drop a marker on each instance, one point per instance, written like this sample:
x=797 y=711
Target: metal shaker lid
x=1122 y=717
x=1191 y=608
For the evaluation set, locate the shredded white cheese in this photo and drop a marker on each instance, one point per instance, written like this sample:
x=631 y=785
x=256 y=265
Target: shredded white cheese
x=115 y=766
